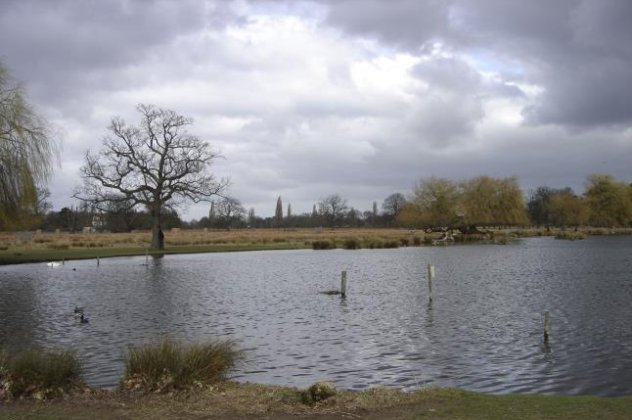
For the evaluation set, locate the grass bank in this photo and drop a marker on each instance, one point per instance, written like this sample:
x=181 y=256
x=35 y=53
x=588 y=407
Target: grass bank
x=24 y=247
x=229 y=400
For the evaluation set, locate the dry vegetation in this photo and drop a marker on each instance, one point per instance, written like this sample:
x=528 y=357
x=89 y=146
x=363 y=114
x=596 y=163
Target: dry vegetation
x=297 y=238
x=21 y=247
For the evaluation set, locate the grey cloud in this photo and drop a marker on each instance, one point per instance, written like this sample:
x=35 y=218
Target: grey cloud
x=450 y=106
x=409 y=23
x=577 y=50
x=64 y=46
x=589 y=95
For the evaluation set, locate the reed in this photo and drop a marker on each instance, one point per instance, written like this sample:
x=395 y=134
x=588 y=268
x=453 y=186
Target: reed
x=171 y=365
x=323 y=244
x=571 y=236
x=38 y=373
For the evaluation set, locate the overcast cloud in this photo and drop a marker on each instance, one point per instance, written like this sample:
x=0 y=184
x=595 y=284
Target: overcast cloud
x=357 y=97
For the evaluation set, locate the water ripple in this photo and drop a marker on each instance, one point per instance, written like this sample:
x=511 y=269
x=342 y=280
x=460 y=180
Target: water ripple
x=483 y=330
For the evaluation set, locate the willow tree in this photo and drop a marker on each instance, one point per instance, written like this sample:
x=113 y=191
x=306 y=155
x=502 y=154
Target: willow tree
x=492 y=201
x=27 y=152
x=437 y=200
x=156 y=164
x=609 y=201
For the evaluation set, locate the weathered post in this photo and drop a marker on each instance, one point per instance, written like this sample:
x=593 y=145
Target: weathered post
x=547 y=326
x=147 y=256
x=431 y=275
x=343 y=285
x=98 y=261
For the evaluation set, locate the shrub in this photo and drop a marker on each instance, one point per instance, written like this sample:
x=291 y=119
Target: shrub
x=404 y=242
x=319 y=391
x=38 y=373
x=391 y=244
x=571 y=236
x=376 y=243
x=416 y=241
x=169 y=365
x=58 y=246
x=324 y=244
x=352 y=243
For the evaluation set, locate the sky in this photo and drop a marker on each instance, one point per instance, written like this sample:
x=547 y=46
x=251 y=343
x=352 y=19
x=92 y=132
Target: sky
x=361 y=98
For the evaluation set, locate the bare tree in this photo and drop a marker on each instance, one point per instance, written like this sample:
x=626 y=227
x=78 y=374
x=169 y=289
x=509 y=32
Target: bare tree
x=157 y=164
x=332 y=207
x=229 y=210
x=393 y=204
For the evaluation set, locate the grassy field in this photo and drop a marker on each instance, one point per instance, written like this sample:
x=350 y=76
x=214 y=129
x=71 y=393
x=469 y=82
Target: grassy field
x=21 y=247
x=32 y=247
x=228 y=400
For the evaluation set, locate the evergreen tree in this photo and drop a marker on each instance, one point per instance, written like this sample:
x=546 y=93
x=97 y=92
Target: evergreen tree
x=278 y=214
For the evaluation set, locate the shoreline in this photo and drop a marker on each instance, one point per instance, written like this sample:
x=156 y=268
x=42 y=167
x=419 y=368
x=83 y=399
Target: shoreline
x=231 y=400
x=20 y=248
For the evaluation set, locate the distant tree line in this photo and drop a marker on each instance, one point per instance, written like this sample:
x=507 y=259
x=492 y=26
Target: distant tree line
x=487 y=201
x=433 y=202
x=441 y=202
x=121 y=219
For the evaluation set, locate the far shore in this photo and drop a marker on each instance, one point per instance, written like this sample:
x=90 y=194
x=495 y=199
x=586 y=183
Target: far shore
x=30 y=247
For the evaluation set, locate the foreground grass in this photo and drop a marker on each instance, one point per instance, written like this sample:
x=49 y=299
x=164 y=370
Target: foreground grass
x=230 y=400
x=170 y=365
x=38 y=374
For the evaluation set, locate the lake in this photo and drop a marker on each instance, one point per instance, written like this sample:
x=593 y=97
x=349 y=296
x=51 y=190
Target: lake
x=483 y=331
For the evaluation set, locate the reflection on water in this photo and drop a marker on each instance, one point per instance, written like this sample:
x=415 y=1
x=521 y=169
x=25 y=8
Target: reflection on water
x=483 y=330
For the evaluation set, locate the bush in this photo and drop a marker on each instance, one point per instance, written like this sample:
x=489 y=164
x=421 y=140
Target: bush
x=391 y=244
x=417 y=241
x=58 y=246
x=352 y=244
x=169 y=365
x=376 y=244
x=324 y=244
x=571 y=236
x=319 y=391
x=39 y=374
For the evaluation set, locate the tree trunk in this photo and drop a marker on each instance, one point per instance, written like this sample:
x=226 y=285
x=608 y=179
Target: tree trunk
x=157 y=237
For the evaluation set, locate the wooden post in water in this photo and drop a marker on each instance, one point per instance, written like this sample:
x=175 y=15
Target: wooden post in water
x=343 y=285
x=147 y=256
x=547 y=326
x=431 y=275
x=63 y=261
x=98 y=261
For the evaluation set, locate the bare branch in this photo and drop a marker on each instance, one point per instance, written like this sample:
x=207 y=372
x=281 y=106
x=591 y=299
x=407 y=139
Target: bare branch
x=157 y=164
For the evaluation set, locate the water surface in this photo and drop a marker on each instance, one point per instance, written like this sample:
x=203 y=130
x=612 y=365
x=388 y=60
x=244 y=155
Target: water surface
x=482 y=332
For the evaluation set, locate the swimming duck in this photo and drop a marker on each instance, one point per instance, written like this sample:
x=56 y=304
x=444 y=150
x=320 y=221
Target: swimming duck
x=83 y=319
x=78 y=311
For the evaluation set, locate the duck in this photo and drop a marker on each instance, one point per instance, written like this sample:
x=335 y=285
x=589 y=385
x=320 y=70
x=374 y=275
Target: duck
x=78 y=311
x=83 y=319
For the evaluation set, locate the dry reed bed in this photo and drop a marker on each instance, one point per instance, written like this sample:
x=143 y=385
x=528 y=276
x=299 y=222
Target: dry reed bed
x=303 y=237
x=177 y=237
